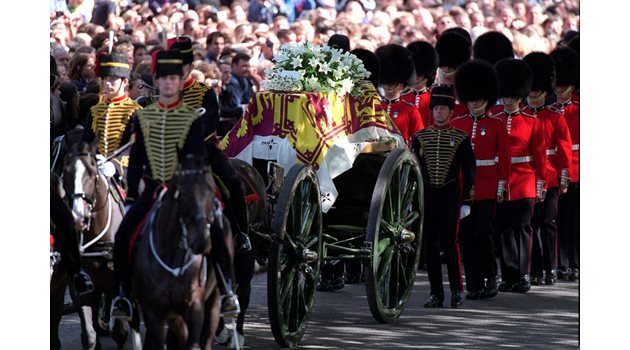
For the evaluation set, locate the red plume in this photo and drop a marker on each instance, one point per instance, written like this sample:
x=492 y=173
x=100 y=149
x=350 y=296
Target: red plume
x=97 y=64
x=170 y=42
x=154 y=61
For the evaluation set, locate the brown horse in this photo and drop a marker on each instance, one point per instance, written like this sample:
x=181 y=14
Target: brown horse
x=172 y=280
x=244 y=262
x=97 y=207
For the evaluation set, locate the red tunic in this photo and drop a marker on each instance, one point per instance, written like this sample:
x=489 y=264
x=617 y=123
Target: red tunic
x=489 y=140
x=420 y=99
x=557 y=139
x=527 y=149
x=571 y=112
x=404 y=115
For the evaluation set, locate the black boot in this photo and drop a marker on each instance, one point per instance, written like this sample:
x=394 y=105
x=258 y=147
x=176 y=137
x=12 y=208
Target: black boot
x=243 y=244
x=82 y=283
x=490 y=290
x=457 y=299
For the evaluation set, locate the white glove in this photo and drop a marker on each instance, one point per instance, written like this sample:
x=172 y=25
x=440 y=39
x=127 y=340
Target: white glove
x=464 y=211
x=106 y=168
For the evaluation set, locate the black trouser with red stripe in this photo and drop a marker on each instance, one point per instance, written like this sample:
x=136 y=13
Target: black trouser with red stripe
x=440 y=231
x=477 y=232
x=133 y=217
x=545 y=239
x=569 y=228
x=513 y=224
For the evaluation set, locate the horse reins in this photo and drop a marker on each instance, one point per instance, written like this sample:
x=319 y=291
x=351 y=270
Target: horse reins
x=91 y=200
x=187 y=259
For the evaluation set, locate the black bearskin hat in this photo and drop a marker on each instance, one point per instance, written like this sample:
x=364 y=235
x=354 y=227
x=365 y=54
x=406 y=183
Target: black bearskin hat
x=425 y=59
x=575 y=44
x=339 y=41
x=515 y=78
x=184 y=45
x=167 y=63
x=453 y=49
x=477 y=80
x=113 y=64
x=396 y=65
x=461 y=31
x=543 y=70
x=370 y=62
x=492 y=47
x=442 y=95
x=567 y=67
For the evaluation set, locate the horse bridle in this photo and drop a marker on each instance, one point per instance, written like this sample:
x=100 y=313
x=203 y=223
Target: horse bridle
x=187 y=260
x=89 y=199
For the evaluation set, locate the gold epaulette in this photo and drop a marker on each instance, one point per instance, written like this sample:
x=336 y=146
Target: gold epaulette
x=554 y=109
x=407 y=103
x=462 y=116
x=164 y=132
x=110 y=121
x=496 y=115
x=193 y=95
x=525 y=114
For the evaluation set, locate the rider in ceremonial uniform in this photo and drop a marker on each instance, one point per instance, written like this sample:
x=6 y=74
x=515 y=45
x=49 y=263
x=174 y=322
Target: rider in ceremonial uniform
x=197 y=95
x=419 y=95
x=157 y=161
x=527 y=175
x=567 y=89
x=558 y=141
x=453 y=49
x=397 y=70
x=477 y=85
x=111 y=116
x=447 y=163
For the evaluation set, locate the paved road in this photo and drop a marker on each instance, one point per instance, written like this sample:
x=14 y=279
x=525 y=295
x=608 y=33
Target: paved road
x=544 y=318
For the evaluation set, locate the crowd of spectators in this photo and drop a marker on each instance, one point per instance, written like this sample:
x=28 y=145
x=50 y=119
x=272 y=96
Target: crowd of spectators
x=221 y=29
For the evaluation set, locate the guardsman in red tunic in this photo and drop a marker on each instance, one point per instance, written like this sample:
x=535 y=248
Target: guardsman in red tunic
x=527 y=175
x=396 y=72
x=447 y=163
x=567 y=87
x=558 y=141
x=477 y=86
x=453 y=49
x=419 y=95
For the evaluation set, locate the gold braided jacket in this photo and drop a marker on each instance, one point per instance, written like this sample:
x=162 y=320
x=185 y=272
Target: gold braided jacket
x=164 y=132
x=109 y=120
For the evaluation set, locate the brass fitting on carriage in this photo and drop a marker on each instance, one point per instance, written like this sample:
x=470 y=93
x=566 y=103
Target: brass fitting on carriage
x=564 y=180
x=541 y=191
x=501 y=191
x=276 y=176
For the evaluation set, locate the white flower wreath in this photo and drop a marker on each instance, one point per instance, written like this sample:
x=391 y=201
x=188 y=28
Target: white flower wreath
x=314 y=68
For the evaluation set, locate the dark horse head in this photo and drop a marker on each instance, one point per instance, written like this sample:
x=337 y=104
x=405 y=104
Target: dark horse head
x=193 y=190
x=81 y=180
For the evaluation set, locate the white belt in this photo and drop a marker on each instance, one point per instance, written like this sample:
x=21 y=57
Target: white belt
x=525 y=159
x=551 y=152
x=576 y=147
x=485 y=162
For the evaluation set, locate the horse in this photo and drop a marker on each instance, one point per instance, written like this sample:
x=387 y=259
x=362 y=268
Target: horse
x=244 y=262
x=97 y=208
x=173 y=280
x=59 y=276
